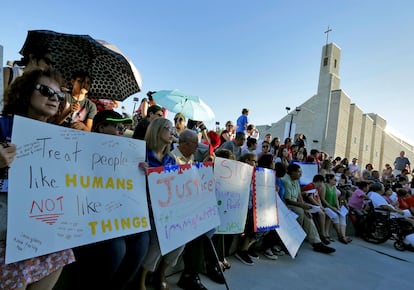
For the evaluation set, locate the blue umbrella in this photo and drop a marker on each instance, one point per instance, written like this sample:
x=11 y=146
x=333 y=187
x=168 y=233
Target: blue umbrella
x=189 y=105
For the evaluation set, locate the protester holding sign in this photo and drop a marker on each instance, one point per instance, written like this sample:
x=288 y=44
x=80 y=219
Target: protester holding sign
x=109 y=264
x=159 y=137
x=35 y=95
x=271 y=244
x=194 y=250
x=245 y=252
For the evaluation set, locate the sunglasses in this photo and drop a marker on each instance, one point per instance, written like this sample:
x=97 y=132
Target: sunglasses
x=49 y=92
x=170 y=129
x=178 y=120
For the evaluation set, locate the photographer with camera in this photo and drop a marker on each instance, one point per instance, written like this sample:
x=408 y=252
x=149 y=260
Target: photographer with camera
x=200 y=129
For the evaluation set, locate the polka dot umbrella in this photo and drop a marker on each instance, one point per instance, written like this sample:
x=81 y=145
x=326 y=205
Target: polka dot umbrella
x=114 y=75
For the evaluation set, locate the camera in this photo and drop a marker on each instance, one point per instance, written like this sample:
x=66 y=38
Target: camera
x=202 y=127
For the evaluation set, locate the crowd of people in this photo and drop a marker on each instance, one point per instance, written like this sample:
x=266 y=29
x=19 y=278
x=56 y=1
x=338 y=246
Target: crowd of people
x=36 y=92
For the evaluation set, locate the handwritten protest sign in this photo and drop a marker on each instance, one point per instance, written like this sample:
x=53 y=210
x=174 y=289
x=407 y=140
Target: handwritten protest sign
x=69 y=188
x=233 y=181
x=183 y=202
x=264 y=200
x=289 y=230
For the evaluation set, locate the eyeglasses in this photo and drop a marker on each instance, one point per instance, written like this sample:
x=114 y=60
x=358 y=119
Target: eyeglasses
x=49 y=92
x=170 y=129
x=120 y=128
x=178 y=120
x=159 y=115
x=229 y=125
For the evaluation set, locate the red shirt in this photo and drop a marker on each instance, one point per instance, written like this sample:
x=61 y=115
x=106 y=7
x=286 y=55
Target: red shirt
x=406 y=202
x=310 y=189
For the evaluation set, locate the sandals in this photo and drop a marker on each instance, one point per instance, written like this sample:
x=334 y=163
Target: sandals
x=325 y=240
x=226 y=264
x=343 y=240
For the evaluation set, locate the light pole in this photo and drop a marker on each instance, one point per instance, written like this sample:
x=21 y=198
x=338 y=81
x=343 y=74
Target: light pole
x=297 y=110
x=217 y=127
x=135 y=103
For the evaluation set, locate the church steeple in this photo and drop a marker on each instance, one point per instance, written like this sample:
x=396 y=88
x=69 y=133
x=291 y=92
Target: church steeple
x=329 y=79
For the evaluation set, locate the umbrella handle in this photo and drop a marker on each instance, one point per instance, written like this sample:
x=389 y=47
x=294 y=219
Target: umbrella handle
x=63 y=113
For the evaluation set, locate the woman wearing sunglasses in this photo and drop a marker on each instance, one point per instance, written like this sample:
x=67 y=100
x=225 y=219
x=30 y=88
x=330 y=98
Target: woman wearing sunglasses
x=34 y=95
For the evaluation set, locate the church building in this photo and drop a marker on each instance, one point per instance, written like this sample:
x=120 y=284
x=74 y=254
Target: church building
x=333 y=124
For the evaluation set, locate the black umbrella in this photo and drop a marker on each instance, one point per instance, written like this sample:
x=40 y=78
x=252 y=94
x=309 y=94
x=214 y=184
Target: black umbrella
x=114 y=76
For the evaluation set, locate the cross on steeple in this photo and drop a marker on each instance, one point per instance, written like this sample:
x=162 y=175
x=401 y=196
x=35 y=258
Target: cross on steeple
x=327 y=34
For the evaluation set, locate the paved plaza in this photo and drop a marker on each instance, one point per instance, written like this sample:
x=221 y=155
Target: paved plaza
x=358 y=265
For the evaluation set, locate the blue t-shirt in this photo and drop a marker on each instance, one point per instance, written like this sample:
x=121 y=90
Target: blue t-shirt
x=281 y=188
x=154 y=162
x=242 y=122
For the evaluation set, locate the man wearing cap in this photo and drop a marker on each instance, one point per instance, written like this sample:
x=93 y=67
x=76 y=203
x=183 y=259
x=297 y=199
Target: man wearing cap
x=153 y=112
x=110 y=122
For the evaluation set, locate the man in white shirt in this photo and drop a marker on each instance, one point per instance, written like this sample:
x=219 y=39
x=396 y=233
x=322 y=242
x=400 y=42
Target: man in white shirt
x=194 y=250
x=379 y=202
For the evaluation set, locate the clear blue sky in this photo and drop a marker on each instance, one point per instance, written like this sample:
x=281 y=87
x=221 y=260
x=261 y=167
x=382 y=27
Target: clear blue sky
x=262 y=55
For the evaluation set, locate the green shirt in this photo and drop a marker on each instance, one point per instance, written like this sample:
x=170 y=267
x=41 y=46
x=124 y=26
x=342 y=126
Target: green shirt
x=292 y=188
x=330 y=196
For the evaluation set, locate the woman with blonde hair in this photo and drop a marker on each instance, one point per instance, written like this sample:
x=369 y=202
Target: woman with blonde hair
x=159 y=137
x=326 y=167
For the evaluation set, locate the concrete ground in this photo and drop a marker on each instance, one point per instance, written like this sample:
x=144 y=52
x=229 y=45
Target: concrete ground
x=358 y=265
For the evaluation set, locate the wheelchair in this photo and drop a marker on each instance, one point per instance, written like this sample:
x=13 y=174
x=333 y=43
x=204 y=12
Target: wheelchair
x=376 y=226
